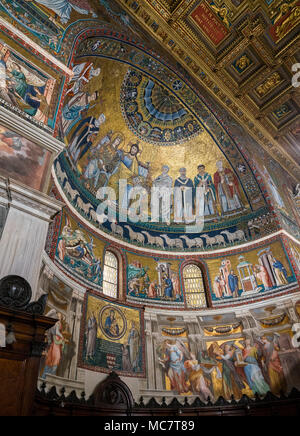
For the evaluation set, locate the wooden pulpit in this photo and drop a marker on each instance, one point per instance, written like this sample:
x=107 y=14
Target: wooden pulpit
x=25 y=329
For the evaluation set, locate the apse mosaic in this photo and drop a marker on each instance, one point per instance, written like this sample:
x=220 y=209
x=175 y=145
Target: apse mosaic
x=113 y=128
x=112 y=338
x=22 y=160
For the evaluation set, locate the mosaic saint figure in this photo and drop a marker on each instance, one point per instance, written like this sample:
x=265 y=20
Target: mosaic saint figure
x=279 y=272
x=23 y=89
x=273 y=188
x=82 y=74
x=111 y=326
x=152 y=291
x=233 y=283
x=262 y=274
x=5 y=93
x=227 y=187
x=217 y=287
x=184 y=201
x=176 y=286
x=84 y=136
x=205 y=193
x=161 y=182
x=134 y=346
x=103 y=160
x=72 y=111
x=126 y=364
x=128 y=169
x=19 y=78
x=92 y=327
x=168 y=287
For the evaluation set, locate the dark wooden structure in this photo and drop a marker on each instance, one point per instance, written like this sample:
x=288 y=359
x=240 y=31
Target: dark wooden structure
x=20 y=359
x=113 y=398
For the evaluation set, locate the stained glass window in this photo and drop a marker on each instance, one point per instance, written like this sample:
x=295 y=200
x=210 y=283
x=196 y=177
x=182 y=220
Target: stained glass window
x=110 y=275
x=194 y=286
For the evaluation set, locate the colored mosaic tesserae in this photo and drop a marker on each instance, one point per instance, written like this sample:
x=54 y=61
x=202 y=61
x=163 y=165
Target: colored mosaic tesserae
x=149 y=208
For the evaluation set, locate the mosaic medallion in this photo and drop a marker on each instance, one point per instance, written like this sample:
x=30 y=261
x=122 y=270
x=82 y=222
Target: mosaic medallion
x=154 y=113
x=112 y=322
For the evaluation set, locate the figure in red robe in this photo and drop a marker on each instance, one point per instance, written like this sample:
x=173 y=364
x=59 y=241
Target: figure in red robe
x=227 y=187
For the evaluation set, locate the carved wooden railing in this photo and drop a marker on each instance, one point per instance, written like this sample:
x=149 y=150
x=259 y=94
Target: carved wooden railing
x=116 y=400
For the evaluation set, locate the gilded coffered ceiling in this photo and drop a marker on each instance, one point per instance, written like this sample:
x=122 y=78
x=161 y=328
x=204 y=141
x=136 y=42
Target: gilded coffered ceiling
x=243 y=52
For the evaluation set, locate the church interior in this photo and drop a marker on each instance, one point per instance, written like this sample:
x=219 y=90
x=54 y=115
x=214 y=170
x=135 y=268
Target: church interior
x=149 y=207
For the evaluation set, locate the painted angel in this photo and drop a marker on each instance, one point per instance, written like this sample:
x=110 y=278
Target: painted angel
x=272 y=368
x=251 y=357
x=172 y=355
x=234 y=380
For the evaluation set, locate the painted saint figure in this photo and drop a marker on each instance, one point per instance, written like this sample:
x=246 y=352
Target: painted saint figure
x=57 y=341
x=272 y=365
x=174 y=359
x=254 y=375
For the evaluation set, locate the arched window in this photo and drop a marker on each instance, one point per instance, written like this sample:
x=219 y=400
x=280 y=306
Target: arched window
x=110 y=275
x=194 y=286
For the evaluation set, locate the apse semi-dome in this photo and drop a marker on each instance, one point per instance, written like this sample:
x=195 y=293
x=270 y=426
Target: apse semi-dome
x=127 y=115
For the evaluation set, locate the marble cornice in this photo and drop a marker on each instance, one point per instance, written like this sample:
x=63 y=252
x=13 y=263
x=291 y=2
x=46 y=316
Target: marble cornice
x=27 y=200
x=29 y=131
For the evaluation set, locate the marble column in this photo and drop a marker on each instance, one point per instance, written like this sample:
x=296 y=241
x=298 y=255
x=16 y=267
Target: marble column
x=25 y=231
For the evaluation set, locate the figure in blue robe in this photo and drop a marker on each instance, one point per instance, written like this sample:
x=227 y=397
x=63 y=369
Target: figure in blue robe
x=168 y=288
x=233 y=282
x=84 y=135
